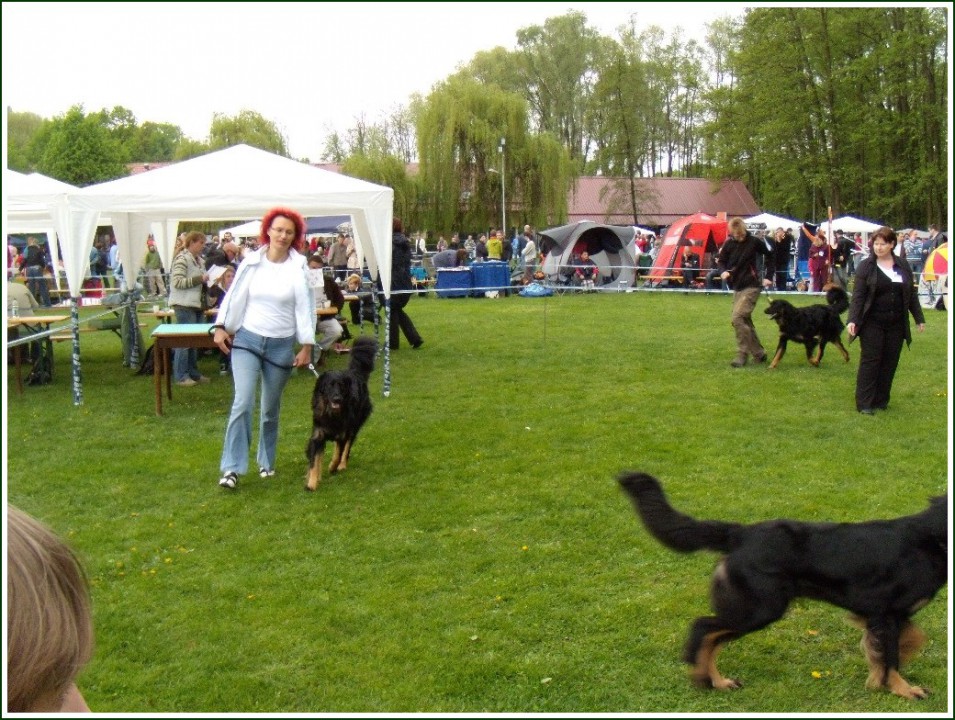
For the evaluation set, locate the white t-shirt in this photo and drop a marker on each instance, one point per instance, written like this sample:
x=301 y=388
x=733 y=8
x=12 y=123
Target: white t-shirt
x=271 y=308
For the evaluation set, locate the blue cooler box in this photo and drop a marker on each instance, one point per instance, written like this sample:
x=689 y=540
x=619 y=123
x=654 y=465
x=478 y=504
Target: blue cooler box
x=491 y=275
x=453 y=282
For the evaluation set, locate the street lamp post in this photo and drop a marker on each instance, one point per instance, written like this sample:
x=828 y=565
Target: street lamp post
x=503 y=205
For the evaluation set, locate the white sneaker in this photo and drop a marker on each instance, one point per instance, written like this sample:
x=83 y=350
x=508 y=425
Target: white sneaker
x=266 y=473
x=228 y=480
x=187 y=382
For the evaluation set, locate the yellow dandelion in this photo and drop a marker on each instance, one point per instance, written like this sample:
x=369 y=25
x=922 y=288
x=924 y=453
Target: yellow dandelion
x=525 y=548
x=812 y=632
x=168 y=561
x=816 y=674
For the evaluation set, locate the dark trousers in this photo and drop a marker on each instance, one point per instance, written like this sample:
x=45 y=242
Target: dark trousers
x=881 y=347
x=400 y=319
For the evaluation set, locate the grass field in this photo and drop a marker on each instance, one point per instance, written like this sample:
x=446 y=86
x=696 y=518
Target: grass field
x=477 y=555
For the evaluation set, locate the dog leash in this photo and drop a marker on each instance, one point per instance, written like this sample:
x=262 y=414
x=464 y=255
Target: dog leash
x=260 y=356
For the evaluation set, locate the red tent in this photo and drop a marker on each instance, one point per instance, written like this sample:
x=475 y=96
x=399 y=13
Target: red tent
x=704 y=233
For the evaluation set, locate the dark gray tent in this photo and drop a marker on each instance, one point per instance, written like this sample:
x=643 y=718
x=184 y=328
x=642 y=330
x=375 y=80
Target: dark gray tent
x=611 y=247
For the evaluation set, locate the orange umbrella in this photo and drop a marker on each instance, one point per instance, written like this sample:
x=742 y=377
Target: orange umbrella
x=937 y=263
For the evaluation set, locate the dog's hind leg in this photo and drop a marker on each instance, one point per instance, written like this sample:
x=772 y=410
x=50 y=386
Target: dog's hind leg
x=811 y=353
x=707 y=638
x=842 y=349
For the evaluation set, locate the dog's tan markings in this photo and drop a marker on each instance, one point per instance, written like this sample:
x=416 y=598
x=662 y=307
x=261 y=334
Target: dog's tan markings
x=911 y=640
x=335 y=464
x=776 y=358
x=705 y=673
x=342 y=457
x=315 y=472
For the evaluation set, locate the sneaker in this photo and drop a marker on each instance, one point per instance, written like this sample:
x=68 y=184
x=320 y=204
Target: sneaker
x=186 y=382
x=202 y=379
x=739 y=362
x=228 y=480
x=266 y=473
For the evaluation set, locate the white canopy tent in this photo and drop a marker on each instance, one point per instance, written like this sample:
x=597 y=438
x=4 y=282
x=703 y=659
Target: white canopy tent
x=27 y=209
x=240 y=181
x=850 y=224
x=774 y=221
x=245 y=230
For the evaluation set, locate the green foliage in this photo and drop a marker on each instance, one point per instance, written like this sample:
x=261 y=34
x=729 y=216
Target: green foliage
x=460 y=126
x=477 y=556
x=247 y=127
x=21 y=128
x=389 y=170
x=851 y=107
x=80 y=150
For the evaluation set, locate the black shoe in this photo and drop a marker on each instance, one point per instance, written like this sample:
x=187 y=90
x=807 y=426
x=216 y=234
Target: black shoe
x=416 y=345
x=759 y=358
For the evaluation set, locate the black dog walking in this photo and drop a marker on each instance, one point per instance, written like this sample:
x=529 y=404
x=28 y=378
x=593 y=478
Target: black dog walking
x=813 y=326
x=340 y=406
x=882 y=571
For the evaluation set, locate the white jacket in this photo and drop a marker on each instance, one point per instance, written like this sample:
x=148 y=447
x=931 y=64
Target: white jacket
x=232 y=312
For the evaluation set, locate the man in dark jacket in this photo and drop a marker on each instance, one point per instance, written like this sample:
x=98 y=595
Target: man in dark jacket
x=738 y=259
x=400 y=285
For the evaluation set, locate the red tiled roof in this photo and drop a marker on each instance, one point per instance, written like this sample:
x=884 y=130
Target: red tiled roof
x=660 y=200
x=136 y=168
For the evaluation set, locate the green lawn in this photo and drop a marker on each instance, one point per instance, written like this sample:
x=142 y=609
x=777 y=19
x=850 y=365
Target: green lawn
x=477 y=555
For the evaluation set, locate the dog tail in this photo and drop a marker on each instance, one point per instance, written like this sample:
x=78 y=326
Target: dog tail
x=837 y=298
x=672 y=528
x=363 y=356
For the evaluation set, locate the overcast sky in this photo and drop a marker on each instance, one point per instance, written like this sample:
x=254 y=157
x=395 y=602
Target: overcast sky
x=308 y=67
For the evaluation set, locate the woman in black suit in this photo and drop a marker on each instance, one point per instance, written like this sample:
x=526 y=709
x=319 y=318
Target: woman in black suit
x=882 y=299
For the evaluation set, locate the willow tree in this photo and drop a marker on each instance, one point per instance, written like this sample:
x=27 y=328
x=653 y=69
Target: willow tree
x=247 y=127
x=383 y=168
x=460 y=126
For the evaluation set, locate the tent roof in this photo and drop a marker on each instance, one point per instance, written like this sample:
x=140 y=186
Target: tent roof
x=774 y=221
x=242 y=181
x=848 y=223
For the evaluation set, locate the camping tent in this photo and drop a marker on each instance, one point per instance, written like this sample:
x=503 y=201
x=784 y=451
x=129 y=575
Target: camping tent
x=611 y=247
x=704 y=233
x=773 y=221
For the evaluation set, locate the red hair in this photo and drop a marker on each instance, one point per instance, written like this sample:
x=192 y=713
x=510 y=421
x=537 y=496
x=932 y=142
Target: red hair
x=297 y=220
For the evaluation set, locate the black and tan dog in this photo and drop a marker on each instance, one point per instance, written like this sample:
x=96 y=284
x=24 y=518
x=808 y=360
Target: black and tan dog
x=813 y=325
x=881 y=571
x=340 y=406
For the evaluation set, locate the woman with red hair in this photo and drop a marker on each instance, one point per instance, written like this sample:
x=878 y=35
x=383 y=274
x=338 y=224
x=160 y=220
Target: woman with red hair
x=266 y=310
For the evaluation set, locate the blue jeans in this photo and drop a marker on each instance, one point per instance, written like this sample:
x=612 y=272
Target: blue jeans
x=185 y=360
x=36 y=282
x=249 y=354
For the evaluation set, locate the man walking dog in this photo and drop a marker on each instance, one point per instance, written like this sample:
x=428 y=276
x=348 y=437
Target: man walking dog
x=738 y=260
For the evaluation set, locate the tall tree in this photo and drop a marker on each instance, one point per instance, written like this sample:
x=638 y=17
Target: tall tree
x=247 y=127
x=558 y=64
x=80 y=150
x=850 y=113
